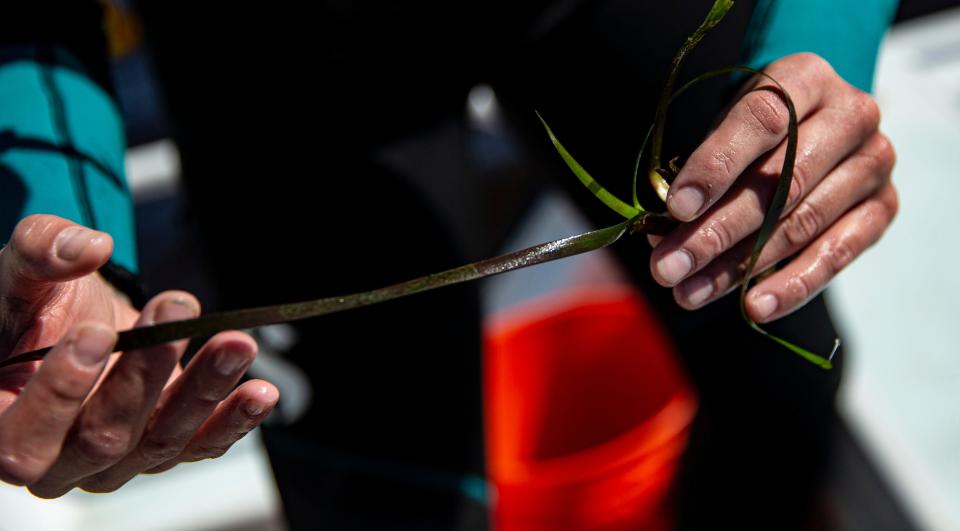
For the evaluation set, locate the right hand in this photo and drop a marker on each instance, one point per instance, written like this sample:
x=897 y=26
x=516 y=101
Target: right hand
x=83 y=418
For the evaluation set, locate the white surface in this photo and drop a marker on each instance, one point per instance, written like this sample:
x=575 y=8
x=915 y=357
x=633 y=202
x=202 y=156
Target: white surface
x=897 y=304
x=153 y=169
x=234 y=490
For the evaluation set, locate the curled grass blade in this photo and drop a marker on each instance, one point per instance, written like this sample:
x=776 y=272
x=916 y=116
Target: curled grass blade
x=252 y=317
x=773 y=213
x=714 y=16
x=612 y=201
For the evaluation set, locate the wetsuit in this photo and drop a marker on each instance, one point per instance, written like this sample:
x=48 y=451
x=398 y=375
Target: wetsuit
x=287 y=117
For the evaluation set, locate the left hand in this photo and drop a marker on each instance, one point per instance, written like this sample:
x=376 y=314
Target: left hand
x=82 y=418
x=841 y=199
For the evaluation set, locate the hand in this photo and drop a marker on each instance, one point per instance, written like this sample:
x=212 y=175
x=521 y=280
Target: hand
x=83 y=418
x=841 y=199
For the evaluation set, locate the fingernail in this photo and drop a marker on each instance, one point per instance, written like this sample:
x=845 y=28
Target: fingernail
x=175 y=310
x=253 y=409
x=229 y=362
x=765 y=305
x=72 y=241
x=675 y=266
x=93 y=344
x=697 y=290
x=654 y=240
x=686 y=202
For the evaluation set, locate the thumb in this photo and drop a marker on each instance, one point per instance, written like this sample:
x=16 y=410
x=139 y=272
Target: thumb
x=45 y=250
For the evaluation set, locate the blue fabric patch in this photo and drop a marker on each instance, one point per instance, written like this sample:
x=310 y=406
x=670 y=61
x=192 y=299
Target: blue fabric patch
x=33 y=182
x=846 y=33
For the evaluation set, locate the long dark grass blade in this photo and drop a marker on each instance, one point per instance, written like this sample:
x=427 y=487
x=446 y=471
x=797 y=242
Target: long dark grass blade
x=636 y=165
x=774 y=210
x=714 y=16
x=249 y=318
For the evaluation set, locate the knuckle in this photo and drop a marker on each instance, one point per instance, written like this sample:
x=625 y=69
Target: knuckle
x=103 y=446
x=47 y=492
x=801 y=287
x=206 y=394
x=66 y=390
x=809 y=72
x=799 y=183
x=802 y=225
x=19 y=469
x=767 y=113
x=884 y=154
x=30 y=225
x=865 y=109
x=715 y=238
x=718 y=165
x=30 y=235
x=814 y=65
x=209 y=399
x=891 y=202
x=155 y=449
x=103 y=483
x=722 y=163
x=145 y=374
x=878 y=214
x=101 y=488
x=794 y=193
x=211 y=451
x=839 y=255
x=166 y=465
x=875 y=163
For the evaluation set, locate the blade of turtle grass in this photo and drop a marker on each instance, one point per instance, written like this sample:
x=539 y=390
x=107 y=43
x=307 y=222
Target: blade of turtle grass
x=612 y=201
x=252 y=317
x=714 y=16
x=774 y=210
x=636 y=165
x=770 y=219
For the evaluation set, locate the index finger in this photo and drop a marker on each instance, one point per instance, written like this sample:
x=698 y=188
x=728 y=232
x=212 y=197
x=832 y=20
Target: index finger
x=33 y=428
x=757 y=123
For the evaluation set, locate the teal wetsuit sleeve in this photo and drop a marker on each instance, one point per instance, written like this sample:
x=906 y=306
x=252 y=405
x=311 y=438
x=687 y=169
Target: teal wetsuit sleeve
x=62 y=150
x=846 y=33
